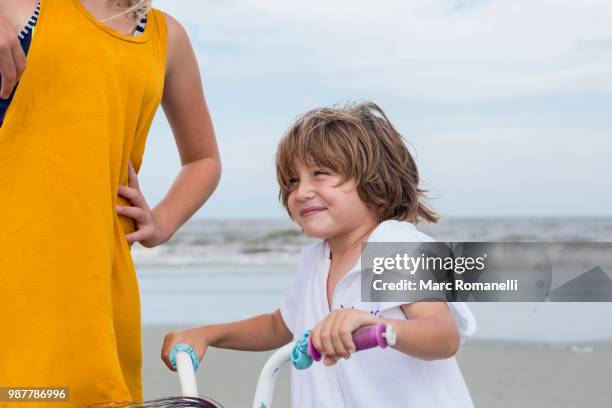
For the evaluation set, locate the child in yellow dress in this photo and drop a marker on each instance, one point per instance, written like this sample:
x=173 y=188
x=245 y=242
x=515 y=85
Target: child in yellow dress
x=71 y=143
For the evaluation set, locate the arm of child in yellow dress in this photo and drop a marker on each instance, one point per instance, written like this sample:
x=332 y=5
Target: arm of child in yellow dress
x=186 y=110
x=13 y=16
x=259 y=333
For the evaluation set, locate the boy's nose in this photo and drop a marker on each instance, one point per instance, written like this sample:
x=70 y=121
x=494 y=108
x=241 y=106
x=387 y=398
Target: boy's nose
x=305 y=191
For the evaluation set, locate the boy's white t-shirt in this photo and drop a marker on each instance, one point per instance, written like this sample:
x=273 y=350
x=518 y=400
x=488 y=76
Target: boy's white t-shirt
x=375 y=377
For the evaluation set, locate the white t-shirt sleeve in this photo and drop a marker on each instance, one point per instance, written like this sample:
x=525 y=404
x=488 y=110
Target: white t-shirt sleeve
x=464 y=319
x=395 y=231
x=288 y=306
x=293 y=293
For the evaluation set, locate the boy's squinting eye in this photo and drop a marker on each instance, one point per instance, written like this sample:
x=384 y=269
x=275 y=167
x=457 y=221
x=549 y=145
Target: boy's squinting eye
x=320 y=172
x=293 y=181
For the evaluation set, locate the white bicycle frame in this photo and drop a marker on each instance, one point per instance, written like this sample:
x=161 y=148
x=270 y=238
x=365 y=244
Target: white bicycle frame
x=186 y=373
x=269 y=375
x=265 y=384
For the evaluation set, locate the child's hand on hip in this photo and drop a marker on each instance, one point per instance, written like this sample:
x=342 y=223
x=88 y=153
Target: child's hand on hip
x=149 y=230
x=196 y=338
x=332 y=337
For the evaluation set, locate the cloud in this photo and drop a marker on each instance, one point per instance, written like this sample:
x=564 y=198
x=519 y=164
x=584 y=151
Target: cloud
x=505 y=103
x=448 y=51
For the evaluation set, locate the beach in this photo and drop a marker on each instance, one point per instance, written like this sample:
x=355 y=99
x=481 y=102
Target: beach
x=500 y=375
x=523 y=354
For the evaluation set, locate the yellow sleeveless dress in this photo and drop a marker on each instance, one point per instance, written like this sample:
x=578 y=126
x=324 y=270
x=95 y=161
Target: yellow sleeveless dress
x=69 y=297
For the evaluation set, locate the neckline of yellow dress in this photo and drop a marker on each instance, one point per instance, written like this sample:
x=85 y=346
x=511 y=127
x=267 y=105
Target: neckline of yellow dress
x=136 y=39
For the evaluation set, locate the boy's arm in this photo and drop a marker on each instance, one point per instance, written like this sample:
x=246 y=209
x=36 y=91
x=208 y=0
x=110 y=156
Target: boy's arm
x=259 y=333
x=428 y=333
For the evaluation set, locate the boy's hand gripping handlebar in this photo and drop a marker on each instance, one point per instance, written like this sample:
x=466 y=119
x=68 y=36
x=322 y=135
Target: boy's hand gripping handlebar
x=185 y=360
x=299 y=353
x=302 y=353
x=366 y=337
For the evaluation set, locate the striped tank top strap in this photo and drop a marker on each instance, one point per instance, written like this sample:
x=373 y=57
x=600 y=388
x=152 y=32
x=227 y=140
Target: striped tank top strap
x=29 y=27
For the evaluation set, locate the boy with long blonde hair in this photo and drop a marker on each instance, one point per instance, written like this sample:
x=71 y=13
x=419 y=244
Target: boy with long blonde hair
x=346 y=177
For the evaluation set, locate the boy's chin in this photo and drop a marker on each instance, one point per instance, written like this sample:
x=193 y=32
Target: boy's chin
x=313 y=231
x=314 y=234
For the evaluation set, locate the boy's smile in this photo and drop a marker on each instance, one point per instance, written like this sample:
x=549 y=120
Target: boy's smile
x=311 y=210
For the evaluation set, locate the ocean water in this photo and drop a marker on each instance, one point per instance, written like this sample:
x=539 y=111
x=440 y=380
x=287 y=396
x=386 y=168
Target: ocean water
x=222 y=270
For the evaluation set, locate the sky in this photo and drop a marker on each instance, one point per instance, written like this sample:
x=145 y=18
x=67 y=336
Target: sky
x=505 y=104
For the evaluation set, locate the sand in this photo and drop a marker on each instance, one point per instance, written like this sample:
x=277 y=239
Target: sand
x=498 y=375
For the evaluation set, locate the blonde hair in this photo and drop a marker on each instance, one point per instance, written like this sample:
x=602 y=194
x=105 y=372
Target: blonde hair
x=138 y=7
x=358 y=142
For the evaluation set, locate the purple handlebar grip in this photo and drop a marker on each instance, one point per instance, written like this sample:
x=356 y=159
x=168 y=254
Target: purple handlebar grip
x=370 y=336
x=365 y=337
x=312 y=351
